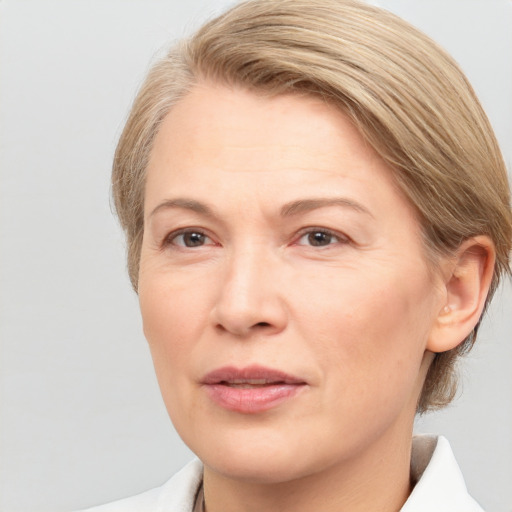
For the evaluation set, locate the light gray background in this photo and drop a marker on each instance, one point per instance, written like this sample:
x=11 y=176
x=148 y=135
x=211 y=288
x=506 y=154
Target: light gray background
x=82 y=421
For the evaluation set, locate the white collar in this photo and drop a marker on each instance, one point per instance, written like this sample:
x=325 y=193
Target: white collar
x=439 y=482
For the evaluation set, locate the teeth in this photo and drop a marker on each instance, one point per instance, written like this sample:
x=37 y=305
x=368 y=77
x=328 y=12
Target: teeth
x=253 y=382
x=243 y=386
x=249 y=383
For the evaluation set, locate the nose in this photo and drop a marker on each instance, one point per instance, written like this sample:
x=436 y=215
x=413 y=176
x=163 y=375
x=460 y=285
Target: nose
x=250 y=298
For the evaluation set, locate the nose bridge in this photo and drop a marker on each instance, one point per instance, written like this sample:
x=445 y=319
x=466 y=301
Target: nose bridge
x=246 y=279
x=249 y=298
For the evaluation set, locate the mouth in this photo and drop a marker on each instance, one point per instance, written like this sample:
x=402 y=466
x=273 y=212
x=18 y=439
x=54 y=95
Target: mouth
x=252 y=389
x=250 y=383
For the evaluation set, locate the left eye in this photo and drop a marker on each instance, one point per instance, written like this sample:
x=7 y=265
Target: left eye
x=190 y=239
x=319 y=238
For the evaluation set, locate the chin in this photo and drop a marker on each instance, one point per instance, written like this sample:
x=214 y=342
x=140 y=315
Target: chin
x=264 y=468
x=261 y=456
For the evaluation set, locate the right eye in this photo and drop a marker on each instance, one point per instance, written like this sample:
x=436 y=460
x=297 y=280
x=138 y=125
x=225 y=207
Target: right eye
x=188 y=238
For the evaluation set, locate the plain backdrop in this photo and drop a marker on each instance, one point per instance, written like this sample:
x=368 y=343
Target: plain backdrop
x=82 y=421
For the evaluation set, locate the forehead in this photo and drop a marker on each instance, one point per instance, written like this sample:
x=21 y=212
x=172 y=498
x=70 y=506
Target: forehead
x=234 y=129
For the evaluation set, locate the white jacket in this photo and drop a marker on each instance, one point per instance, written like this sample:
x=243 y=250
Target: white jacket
x=440 y=486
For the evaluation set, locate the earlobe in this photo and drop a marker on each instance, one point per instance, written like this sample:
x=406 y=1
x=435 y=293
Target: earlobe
x=467 y=284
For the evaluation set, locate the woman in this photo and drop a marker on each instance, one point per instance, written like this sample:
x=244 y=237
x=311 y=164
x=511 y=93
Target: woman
x=317 y=216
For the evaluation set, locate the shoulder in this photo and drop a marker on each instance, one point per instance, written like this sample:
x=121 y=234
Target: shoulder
x=177 y=494
x=439 y=484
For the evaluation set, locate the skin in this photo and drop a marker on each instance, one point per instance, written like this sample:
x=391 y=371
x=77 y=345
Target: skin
x=354 y=316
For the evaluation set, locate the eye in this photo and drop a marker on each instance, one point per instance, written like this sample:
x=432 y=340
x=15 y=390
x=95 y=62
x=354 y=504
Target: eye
x=320 y=238
x=188 y=238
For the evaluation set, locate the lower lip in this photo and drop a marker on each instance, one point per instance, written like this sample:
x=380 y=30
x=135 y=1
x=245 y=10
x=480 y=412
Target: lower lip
x=251 y=400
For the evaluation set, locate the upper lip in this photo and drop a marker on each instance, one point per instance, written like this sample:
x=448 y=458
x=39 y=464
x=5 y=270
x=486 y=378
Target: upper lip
x=253 y=374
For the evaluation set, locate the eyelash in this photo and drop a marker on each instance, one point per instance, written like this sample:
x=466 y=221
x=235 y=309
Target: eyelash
x=339 y=238
x=170 y=240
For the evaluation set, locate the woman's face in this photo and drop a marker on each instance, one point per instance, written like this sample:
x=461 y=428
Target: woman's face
x=283 y=286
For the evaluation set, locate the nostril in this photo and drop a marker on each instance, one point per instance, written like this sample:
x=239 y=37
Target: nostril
x=262 y=324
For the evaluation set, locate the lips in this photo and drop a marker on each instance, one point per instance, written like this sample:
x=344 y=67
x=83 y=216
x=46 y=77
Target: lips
x=252 y=389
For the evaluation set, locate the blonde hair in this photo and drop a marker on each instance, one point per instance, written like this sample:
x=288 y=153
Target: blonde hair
x=407 y=97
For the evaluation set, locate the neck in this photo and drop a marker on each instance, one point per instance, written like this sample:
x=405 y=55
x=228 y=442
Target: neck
x=378 y=479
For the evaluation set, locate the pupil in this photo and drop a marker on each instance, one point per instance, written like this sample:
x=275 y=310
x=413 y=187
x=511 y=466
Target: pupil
x=318 y=238
x=193 y=239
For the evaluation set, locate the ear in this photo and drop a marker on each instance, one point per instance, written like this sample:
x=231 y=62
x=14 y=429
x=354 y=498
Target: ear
x=467 y=278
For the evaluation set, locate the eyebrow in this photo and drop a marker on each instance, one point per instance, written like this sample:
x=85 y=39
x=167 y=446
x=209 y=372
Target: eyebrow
x=288 y=210
x=307 y=205
x=184 y=203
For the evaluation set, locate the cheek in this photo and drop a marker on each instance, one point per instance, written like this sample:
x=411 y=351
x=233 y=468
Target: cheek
x=368 y=331
x=174 y=312
x=172 y=321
